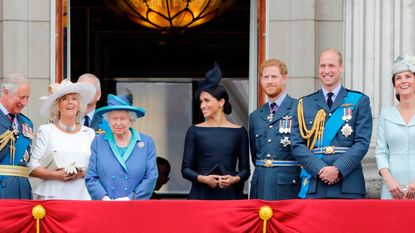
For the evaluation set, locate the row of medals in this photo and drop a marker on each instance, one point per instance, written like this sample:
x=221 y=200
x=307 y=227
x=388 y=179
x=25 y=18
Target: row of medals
x=286 y=123
x=284 y=128
x=347 y=116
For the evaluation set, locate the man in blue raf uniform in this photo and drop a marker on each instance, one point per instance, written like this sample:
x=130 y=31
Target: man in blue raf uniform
x=331 y=135
x=277 y=174
x=16 y=132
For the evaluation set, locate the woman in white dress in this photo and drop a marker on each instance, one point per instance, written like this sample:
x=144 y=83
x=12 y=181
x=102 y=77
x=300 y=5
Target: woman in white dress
x=61 y=152
x=395 y=150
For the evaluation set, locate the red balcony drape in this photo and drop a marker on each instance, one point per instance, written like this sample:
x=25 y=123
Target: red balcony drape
x=210 y=216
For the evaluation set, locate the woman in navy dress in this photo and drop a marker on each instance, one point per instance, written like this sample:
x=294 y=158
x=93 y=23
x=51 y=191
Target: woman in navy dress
x=216 y=157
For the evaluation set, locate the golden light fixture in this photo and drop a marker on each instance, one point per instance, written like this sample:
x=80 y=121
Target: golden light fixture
x=170 y=14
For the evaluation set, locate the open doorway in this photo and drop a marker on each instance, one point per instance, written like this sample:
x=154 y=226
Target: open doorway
x=116 y=49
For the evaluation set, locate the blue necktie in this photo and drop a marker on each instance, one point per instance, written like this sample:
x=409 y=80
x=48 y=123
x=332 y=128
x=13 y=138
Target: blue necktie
x=86 y=122
x=329 y=100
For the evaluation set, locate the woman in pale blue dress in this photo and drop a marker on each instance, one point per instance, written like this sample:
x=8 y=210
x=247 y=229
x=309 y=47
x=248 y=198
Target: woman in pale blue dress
x=395 y=150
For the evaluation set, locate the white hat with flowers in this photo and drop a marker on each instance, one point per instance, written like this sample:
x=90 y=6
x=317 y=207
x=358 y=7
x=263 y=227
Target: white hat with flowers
x=85 y=90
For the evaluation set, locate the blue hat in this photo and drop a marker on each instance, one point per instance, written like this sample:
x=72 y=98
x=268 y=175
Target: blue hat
x=402 y=64
x=120 y=103
x=212 y=79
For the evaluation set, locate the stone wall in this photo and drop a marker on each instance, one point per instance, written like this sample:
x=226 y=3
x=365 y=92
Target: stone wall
x=25 y=46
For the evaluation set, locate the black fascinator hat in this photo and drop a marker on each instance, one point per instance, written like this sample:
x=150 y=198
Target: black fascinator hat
x=212 y=79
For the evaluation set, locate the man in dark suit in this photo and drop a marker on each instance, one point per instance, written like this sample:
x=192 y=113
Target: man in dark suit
x=16 y=133
x=331 y=135
x=91 y=120
x=277 y=174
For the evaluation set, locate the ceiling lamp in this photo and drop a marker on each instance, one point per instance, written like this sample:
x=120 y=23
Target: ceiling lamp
x=170 y=14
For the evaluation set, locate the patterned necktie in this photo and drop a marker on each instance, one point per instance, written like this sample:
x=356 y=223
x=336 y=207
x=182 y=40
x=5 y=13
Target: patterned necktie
x=86 y=122
x=329 y=100
x=273 y=107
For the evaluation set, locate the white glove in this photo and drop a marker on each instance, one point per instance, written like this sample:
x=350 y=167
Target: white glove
x=122 y=199
x=71 y=169
x=106 y=198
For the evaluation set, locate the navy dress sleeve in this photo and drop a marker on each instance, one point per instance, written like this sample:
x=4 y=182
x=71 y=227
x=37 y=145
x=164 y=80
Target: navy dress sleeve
x=188 y=162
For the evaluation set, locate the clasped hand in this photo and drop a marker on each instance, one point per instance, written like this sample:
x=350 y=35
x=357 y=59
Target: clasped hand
x=329 y=175
x=219 y=181
x=70 y=174
x=400 y=192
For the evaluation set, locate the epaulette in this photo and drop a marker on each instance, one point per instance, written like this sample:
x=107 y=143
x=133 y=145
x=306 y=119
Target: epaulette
x=310 y=94
x=25 y=118
x=355 y=91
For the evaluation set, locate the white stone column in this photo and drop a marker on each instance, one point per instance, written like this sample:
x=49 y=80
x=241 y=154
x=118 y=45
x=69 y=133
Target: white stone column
x=291 y=38
x=375 y=33
x=24 y=46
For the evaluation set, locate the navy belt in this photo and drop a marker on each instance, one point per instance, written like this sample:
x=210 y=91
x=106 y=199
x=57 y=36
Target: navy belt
x=330 y=150
x=275 y=163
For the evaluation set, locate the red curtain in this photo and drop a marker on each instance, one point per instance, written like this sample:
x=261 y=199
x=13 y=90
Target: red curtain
x=209 y=216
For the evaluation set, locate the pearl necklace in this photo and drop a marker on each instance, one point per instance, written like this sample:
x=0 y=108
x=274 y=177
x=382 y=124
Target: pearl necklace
x=67 y=128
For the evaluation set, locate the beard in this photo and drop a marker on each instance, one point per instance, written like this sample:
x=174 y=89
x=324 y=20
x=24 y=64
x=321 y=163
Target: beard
x=273 y=92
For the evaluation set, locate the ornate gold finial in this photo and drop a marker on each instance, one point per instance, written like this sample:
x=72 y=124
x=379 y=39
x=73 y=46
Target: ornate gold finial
x=38 y=213
x=265 y=213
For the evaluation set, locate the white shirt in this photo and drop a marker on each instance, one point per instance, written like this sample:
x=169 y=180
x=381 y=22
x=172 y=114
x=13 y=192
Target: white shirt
x=335 y=92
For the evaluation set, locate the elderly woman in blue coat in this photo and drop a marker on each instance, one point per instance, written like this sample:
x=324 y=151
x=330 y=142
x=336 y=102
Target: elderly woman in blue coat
x=123 y=161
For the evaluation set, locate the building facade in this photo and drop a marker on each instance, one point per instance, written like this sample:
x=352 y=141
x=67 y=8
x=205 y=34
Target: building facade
x=369 y=33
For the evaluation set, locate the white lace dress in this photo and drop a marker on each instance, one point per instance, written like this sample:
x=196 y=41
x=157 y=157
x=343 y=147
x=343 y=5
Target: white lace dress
x=70 y=148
